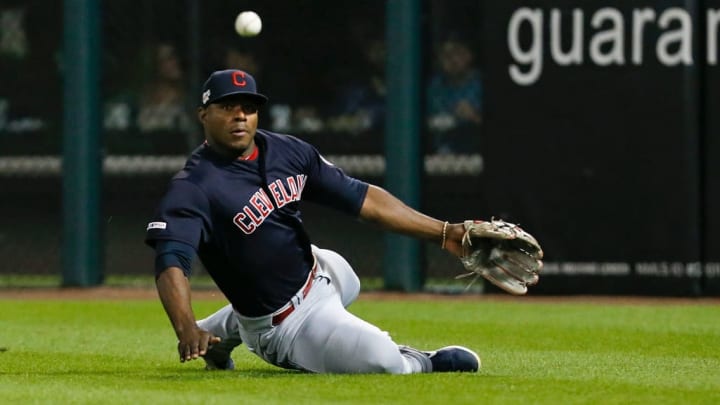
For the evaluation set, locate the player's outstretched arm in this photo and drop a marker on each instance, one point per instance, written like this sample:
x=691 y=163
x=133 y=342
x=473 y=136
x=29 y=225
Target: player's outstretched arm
x=386 y=210
x=174 y=291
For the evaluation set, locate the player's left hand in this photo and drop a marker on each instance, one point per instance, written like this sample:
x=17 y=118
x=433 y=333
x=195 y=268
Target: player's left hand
x=502 y=253
x=195 y=343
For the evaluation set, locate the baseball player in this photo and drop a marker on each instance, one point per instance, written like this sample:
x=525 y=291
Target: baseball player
x=235 y=206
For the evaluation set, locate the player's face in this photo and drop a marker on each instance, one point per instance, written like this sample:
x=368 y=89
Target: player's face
x=230 y=125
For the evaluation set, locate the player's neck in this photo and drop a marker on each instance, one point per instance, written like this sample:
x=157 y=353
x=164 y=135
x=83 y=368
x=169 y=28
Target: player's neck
x=251 y=153
x=254 y=152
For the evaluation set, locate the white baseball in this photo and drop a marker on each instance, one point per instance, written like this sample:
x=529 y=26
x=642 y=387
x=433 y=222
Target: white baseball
x=248 y=24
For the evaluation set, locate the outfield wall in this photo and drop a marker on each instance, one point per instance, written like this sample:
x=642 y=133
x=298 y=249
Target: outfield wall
x=605 y=111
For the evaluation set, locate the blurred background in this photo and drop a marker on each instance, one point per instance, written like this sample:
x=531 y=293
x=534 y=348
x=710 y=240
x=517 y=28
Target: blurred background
x=593 y=125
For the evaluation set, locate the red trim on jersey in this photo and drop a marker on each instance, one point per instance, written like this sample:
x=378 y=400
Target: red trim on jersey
x=254 y=155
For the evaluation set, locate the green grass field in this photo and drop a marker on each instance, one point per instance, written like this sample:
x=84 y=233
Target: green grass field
x=59 y=351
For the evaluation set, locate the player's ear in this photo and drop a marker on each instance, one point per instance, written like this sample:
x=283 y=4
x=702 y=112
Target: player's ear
x=201 y=112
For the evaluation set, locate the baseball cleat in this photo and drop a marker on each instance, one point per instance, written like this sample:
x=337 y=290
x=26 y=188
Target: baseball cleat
x=218 y=357
x=215 y=362
x=229 y=364
x=454 y=358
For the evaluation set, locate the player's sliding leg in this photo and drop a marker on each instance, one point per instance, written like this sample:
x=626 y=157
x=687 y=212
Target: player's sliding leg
x=348 y=344
x=346 y=281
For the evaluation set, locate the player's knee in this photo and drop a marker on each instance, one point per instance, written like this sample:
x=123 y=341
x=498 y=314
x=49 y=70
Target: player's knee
x=344 y=278
x=349 y=288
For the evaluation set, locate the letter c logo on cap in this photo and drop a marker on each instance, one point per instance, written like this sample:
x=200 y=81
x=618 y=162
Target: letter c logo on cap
x=238 y=78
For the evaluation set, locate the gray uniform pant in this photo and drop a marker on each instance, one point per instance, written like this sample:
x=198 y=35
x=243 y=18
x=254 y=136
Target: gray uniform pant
x=320 y=335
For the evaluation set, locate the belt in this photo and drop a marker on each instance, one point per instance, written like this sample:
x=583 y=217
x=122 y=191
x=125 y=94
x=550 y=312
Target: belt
x=288 y=309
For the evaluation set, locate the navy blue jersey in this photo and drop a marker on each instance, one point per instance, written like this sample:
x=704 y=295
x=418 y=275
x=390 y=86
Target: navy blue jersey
x=249 y=235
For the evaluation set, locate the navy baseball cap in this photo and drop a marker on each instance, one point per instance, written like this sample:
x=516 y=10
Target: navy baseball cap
x=231 y=82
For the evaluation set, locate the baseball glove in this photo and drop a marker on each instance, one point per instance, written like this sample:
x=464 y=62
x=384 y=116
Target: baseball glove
x=502 y=253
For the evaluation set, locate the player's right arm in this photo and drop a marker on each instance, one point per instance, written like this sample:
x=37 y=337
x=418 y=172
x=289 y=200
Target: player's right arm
x=174 y=291
x=175 y=233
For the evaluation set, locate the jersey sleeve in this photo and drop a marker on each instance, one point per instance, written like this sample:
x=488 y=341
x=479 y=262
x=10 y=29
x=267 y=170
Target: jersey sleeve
x=170 y=253
x=183 y=216
x=328 y=185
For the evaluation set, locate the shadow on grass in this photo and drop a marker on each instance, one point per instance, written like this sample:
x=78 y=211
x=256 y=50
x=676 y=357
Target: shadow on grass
x=163 y=373
x=201 y=374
